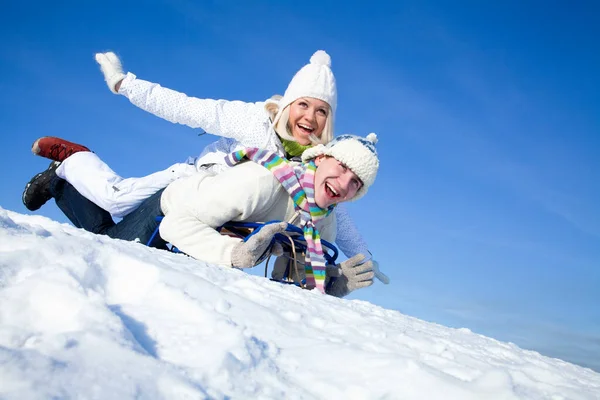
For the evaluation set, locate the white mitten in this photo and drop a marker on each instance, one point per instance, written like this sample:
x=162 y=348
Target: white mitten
x=111 y=68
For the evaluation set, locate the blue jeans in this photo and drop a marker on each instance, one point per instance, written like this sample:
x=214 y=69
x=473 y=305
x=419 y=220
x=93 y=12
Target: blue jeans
x=139 y=224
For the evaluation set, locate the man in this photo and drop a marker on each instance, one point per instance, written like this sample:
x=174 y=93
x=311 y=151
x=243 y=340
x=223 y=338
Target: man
x=265 y=188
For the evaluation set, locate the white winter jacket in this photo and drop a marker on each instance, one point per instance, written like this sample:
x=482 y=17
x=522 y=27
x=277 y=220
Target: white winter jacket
x=239 y=123
x=248 y=192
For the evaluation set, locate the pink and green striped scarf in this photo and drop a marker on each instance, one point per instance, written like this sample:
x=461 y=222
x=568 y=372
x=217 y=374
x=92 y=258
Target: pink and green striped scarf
x=299 y=181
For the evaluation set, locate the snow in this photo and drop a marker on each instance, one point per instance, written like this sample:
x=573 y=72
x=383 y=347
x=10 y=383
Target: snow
x=85 y=316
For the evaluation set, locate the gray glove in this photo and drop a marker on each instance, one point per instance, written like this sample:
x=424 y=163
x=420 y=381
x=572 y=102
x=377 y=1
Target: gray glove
x=353 y=274
x=246 y=254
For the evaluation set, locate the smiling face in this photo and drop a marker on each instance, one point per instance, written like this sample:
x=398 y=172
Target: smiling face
x=334 y=182
x=308 y=117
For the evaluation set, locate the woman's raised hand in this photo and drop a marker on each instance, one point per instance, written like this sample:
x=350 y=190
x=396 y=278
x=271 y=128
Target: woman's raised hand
x=112 y=70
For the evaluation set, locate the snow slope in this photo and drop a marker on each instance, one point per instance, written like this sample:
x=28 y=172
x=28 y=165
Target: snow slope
x=84 y=316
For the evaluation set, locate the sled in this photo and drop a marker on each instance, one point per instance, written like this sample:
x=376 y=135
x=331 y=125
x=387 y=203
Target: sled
x=292 y=241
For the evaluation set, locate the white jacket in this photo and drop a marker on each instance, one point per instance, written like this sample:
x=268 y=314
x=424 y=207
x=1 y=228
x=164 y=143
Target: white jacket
x=248 y=192
x=239 y=123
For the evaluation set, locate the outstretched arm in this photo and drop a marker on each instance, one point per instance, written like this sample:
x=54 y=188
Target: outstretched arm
x=232 y=119
x=350 y=241
x=348 y=238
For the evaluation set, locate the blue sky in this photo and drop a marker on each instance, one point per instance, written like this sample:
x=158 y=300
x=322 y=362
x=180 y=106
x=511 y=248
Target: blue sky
x=485 y=212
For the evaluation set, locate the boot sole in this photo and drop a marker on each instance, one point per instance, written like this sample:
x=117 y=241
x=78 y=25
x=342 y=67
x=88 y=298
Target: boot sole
x=36 y=176
x=27 y=189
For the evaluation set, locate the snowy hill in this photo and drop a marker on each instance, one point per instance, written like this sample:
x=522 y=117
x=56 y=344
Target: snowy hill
x=84 y=316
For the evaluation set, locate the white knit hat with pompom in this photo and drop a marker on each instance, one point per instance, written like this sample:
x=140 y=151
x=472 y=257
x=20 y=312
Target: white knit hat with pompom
x=356 y=152
x=313 y=80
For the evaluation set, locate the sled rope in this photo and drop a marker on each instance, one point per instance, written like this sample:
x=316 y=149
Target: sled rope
x=292 y=260
x=298 y=181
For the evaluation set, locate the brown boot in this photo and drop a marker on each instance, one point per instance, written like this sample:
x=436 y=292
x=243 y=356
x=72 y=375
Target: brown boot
x=54 y=148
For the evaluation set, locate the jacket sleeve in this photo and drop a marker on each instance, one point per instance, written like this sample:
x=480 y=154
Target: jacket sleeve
x=232 y=119
x=191 y=223
x=348 y=238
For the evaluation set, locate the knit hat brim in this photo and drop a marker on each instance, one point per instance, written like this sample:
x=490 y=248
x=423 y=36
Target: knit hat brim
x=357 y=153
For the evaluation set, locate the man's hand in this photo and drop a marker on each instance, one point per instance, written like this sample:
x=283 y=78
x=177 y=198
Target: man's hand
x=351 y=275
x=245 y=254
x=112 y=70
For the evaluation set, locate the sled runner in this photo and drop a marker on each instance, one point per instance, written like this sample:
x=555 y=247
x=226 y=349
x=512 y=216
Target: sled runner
x=291 y=241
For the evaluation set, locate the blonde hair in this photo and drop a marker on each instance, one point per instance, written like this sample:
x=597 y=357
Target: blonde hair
x=281 y=125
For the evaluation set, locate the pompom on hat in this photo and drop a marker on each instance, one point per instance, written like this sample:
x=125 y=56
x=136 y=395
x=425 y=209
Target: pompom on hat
x=313 y=80
x=356 y=152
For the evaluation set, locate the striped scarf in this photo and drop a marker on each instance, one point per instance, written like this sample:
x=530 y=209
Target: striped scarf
x=299 y=181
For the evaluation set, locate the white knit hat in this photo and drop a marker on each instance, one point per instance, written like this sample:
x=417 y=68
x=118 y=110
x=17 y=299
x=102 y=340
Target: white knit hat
x=356 y=152
x=313 y=80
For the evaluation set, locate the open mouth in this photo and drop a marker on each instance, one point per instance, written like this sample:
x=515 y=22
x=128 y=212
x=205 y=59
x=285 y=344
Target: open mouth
x=305 y=129
x=331 y=192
